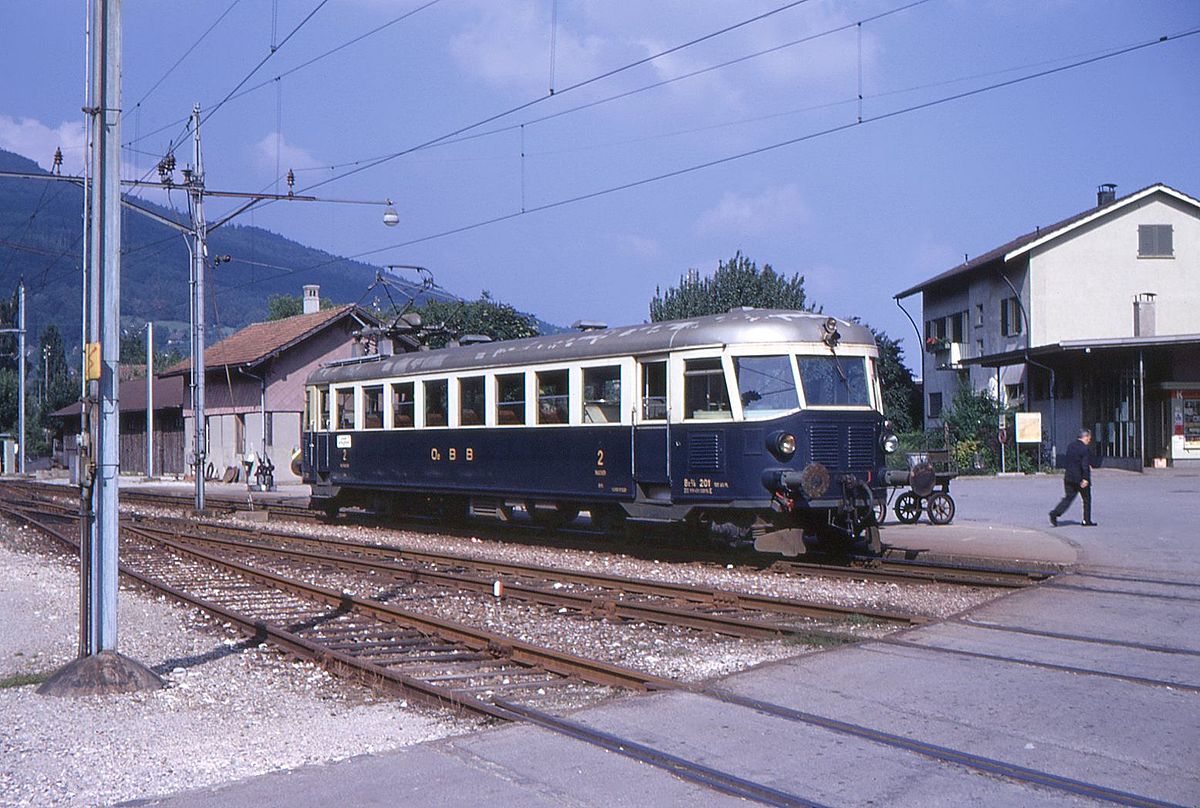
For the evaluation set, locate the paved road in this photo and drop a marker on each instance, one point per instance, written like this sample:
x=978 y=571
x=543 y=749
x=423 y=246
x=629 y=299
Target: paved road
x=1092 y=678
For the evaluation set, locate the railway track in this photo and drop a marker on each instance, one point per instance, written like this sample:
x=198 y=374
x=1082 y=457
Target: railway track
x=892 y=570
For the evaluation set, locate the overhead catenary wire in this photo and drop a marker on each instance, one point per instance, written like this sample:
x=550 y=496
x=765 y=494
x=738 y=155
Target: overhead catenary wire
x=576 y=86
x=644 y=88
x=884 y=116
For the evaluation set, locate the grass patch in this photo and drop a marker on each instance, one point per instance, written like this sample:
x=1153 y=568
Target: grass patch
x=22 y=679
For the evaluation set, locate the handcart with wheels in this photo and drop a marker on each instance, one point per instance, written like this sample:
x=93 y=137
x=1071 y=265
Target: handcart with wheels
x=928 y=482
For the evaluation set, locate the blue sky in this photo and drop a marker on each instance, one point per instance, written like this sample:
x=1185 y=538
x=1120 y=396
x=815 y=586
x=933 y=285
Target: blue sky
x=861 y=212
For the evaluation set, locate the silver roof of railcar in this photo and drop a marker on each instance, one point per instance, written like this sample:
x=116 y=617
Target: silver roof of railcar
x=737 y=326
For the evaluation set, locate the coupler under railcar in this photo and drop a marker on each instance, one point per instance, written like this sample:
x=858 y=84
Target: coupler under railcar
x=802 y=506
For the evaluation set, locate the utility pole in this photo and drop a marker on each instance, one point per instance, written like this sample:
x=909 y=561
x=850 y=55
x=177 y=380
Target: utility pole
x=102 y=669
x=199 y=253
x=20 y=332
x=21 y=385
x=149 y=400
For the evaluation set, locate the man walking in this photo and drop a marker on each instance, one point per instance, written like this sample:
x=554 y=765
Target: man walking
x=1077 y=479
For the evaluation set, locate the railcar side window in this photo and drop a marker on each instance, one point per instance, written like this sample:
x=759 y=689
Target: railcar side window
x=436 y=395
x=553 y=398
x=470 y=401
x=834 y=381
x=403 y=406
x=510 y=399
x=704 y=391
x=602 y=395
x=765 y=385
x=345 y=409
x=654 y=391
x=373 y=407
x=323 y=409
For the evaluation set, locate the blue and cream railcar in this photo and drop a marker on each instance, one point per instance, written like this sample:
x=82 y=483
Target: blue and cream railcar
x=754 y=424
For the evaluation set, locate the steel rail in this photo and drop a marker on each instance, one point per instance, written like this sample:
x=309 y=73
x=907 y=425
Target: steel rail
x=665 y=589
x=1034 y=663
x=685 y=769
x=979 y=763
x=592 y=604
x=559 y=662
x=338 y=661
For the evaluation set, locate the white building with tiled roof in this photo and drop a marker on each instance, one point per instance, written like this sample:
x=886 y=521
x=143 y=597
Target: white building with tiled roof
x=1106 y=302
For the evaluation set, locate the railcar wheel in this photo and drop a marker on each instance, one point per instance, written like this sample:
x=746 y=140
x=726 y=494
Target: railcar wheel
x=908 y=508
x=941 y=508
x=881 y=509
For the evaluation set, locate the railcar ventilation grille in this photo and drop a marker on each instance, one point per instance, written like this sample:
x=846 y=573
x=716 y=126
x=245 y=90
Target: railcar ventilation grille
x=706 y=451
x=860 y=447
x=826 y=443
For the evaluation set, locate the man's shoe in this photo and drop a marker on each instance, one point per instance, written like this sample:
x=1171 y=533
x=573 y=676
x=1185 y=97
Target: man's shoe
x=1053 y=519
x=1090 y=524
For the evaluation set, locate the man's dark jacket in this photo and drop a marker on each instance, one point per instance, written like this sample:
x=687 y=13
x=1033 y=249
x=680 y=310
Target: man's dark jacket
x=1078 y=465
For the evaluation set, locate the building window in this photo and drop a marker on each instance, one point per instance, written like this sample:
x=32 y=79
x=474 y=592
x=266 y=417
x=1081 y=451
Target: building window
x=957 y=322
x=978 y=348
x=935 y=405
x=1155 y=241
x=979 y=315
x=1010 y=317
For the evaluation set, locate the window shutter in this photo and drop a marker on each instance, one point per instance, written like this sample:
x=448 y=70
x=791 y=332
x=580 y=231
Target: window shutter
x=1145 y=239
x=1155 y=241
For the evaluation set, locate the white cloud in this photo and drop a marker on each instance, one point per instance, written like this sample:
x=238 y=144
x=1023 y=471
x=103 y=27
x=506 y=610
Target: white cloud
x=508 y=44
x=639 y=246
x=778 y=209
x=290 y=156
x=37 y=141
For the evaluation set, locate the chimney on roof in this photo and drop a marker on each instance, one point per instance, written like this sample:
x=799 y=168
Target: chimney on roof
x=1106 y=194
x=1143 y=315
x=312 y=298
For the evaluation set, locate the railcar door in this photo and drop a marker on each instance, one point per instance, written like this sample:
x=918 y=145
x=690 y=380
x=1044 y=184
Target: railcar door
x=652 y=429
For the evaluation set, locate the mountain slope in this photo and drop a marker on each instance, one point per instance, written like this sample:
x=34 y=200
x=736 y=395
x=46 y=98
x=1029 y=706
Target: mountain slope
x=41 y=241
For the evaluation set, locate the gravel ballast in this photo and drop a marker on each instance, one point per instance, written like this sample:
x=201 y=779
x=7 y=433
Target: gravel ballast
x=228 y=711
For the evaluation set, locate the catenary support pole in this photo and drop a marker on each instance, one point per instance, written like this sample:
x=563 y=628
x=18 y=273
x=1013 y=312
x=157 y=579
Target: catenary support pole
x=149 y=400
x=199 y=248
x=21 y=383
x=106 y=286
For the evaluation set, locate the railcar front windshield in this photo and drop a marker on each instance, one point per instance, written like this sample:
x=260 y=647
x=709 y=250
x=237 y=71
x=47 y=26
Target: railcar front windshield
x=766 y=386
x=835 y=381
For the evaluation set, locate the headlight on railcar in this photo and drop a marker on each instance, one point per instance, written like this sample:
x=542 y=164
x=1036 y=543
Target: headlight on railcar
x=782 y=445
x=890 y=442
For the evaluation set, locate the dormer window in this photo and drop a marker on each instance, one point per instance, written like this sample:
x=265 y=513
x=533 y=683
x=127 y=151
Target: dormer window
x=1155 y=241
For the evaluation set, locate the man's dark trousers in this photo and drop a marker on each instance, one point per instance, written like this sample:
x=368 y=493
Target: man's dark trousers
x=1070 y=489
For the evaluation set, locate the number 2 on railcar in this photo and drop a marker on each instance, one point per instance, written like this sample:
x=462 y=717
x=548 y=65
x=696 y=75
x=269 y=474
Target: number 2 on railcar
x=753 y=426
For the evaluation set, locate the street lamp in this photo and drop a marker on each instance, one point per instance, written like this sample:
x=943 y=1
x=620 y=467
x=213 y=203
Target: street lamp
x=390 y=217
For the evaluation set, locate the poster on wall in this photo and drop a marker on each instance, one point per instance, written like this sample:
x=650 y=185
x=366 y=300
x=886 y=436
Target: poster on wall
x=1191 y=422
x=1029 y=427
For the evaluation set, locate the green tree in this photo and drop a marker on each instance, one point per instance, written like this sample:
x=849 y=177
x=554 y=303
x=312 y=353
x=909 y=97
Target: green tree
x=280 y=307
x=446 y=320
x=901 y=398
x=59 y=386
x=737 y=282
